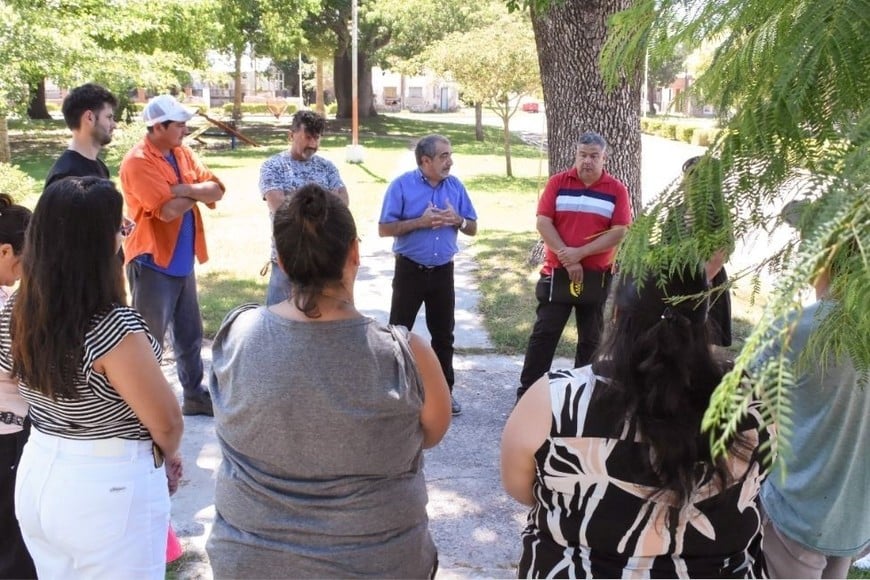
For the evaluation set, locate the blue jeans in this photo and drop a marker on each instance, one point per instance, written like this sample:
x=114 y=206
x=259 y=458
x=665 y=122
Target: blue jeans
x=279 y=286
x=170 y=303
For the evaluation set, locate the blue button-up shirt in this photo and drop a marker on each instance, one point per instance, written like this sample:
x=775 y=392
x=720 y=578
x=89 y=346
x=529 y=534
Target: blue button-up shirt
x=407 y=198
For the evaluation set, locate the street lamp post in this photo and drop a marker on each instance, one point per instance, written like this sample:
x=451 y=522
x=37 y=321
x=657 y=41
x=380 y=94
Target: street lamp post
x=354 y=150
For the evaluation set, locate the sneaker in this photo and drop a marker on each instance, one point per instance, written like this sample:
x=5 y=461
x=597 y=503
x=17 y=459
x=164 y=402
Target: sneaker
x=455 y=407
x=198 y=404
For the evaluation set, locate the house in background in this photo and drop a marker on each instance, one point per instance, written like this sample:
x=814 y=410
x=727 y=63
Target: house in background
x=394 y=91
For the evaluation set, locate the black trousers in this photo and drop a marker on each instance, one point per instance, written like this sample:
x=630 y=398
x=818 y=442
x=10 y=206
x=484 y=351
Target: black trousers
x=15 y=560
x=550 y=322
x=415 y=285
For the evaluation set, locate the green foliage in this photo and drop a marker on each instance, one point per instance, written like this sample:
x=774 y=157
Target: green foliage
x=684 y=133
x=332 y=109
x=16 y=182
x=681 y=131
x=495 y=66
x=792 y=80
x=418 y=24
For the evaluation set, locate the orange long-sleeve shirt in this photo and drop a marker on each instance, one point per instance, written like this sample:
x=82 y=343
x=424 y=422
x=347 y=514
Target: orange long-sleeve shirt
x=146 y=178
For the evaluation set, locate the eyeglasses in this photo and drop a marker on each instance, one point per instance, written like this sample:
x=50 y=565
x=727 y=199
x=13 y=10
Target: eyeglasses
x=127 y=227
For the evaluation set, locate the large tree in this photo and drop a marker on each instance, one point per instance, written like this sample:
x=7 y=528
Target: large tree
x=131 y=45
x=570 y=36
x=792 y=78
x=390 y=34
x=496 y=66
x=270 y=28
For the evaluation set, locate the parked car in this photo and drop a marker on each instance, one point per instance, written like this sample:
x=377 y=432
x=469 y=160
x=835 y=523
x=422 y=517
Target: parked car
x=531 y=107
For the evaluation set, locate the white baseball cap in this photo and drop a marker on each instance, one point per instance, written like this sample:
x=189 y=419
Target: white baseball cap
x=165 y=108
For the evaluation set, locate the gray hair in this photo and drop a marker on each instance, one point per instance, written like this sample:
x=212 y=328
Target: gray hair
x=426 y=147
x=592 y=138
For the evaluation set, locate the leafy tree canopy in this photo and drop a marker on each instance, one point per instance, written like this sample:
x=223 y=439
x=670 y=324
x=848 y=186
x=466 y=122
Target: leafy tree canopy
x=791 y=80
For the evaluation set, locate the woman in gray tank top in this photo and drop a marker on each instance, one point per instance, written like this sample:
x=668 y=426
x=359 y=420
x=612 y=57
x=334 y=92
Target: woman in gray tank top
x=322 y=416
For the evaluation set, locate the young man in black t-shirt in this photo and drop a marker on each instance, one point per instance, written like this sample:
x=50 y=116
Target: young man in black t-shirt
x=89 y=111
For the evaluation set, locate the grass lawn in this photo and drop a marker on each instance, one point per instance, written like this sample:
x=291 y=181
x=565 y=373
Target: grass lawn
x=238 y=231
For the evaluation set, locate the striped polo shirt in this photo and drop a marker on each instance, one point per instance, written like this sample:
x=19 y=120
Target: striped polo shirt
x=580 y=213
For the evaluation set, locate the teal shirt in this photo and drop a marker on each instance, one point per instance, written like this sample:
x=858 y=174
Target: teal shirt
x=824 y=500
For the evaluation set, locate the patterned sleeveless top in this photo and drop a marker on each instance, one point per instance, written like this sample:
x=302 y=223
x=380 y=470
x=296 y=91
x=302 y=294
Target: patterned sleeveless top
x=597 y=514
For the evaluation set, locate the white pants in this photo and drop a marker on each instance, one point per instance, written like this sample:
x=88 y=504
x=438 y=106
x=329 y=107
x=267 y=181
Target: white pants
x=92 y=509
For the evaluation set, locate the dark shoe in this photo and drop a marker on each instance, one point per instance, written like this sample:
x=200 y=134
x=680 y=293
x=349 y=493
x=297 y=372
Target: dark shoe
x=197 y=404
x=455 y=407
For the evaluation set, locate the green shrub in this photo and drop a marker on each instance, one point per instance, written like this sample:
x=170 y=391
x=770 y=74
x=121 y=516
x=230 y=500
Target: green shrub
x=701 y=137
x=669 y=131
x=684 y=133
x=332 y=109
x=126 y=135
x=644 y=125
x=653 y=126
x=16 y=182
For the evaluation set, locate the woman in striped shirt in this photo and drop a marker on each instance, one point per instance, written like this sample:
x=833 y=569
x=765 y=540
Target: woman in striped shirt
x=91 y=494
x=15 y=561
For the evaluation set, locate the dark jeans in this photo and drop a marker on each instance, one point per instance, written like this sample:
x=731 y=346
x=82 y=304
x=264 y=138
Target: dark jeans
x=15 y=561
x=414 y=285
x=550 y=322
x=170 y=303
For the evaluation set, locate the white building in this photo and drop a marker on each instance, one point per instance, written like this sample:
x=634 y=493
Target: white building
x=394 y=91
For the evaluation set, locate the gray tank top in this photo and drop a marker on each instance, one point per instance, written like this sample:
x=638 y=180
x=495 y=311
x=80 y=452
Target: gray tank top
x=322 y=472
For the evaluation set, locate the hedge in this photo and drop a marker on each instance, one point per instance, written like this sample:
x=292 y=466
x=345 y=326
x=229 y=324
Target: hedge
x=687 y=133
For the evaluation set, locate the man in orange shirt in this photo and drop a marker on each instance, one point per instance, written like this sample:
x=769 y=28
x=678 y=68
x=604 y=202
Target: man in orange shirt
x=164 y=183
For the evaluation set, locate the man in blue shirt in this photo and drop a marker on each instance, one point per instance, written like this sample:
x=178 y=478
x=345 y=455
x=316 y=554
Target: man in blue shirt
x=424 y=210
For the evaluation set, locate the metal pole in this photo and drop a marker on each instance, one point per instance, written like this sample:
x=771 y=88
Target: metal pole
x=354 y=73
x=301 y=95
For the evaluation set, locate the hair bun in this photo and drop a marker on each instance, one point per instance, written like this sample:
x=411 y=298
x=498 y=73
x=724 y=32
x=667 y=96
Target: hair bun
x=6 y=200
x=312 y=203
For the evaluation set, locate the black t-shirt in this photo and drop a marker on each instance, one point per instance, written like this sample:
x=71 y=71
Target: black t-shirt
x=74 y=164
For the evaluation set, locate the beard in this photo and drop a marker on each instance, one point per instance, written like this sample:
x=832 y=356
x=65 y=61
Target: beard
x=101 y=136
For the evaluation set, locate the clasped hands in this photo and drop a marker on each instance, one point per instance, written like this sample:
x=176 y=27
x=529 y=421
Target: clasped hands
x=435 y=217
x=570 y=259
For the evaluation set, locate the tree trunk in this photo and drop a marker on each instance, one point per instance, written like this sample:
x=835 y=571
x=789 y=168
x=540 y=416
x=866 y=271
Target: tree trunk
x=478 y=122
x=321 y=107
x=651 y=98
x=237 y=86
x=344 y=90
x=507 y=147
x=569 y=37
x=5 y=153
x=37 y=108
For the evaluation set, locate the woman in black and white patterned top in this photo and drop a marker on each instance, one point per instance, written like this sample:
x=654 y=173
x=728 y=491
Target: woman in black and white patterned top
x=91 y=494
x=612 y=460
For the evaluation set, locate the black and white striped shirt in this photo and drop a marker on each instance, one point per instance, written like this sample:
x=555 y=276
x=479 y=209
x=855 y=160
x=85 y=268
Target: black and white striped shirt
x=100 y=412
